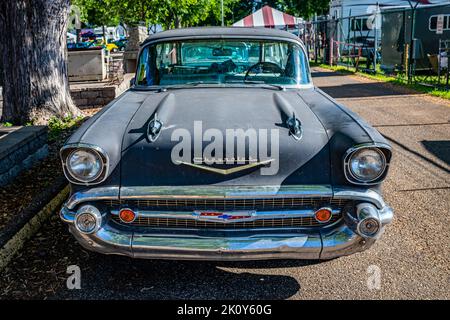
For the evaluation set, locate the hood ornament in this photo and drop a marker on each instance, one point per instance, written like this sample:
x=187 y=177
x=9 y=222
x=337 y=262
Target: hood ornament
x=154 y=128
x=295 y=127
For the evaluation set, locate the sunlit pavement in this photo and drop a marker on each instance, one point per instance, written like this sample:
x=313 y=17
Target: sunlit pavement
x=413 y=256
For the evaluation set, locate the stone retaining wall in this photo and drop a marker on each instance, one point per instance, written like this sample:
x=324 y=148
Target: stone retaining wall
x=116 y=70
x=20 y=148
x=93 y=97
x=97 y=95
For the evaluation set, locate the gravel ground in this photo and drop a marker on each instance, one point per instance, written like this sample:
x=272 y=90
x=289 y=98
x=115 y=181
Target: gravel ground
x=413 y=255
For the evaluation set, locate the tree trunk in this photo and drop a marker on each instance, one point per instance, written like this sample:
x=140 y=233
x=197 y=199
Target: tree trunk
x=177 y=22
x=34 y=56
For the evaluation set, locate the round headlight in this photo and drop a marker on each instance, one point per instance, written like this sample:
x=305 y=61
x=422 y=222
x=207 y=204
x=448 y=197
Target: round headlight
x=84 y=165
x=367 y=164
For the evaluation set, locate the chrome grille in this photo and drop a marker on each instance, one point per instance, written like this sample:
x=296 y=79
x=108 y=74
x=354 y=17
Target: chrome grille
x=295 y=222
x=227 y=204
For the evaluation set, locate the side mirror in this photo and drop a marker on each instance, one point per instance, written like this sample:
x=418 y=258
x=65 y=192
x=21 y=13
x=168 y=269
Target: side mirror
x=132 y=82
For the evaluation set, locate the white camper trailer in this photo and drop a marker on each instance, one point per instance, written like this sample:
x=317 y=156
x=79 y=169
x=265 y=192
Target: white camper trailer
x=361 y=17
x=359 y=22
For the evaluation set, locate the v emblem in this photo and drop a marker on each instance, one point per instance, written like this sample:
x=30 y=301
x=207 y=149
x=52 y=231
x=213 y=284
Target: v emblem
x=226 y=171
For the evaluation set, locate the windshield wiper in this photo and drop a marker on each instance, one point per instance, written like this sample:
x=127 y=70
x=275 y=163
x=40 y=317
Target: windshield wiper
x=266 y=85
x=189 y=85
x=195 y=83
x=148 y=88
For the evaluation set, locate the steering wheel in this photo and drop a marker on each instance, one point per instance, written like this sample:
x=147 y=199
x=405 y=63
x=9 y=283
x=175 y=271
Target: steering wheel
x=264 y=65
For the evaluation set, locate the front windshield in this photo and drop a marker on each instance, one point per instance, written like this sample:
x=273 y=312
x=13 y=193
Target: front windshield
x=222 y=61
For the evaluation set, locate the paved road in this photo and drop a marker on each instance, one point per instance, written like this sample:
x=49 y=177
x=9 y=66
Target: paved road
x=413 y=255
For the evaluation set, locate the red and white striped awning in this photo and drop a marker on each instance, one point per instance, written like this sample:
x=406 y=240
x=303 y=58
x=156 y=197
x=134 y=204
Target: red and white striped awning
x=268 y=17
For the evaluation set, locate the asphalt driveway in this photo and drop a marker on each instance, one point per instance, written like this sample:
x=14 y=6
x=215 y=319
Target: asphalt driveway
x=413 y=256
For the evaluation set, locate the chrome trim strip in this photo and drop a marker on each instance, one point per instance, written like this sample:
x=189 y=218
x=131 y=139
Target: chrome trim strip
x=342 y=241
x=259 y=215
x=305 y=246
x=386 y=215
x=107 y=240
x=359 y=194
x=66 y=215
x=296 y=245
x=225 y=192
x=93 y=194
x=215 y=192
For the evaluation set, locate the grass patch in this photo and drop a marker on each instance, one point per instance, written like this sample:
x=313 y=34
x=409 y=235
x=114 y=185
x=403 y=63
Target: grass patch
x=388 y=79
x=56 y=126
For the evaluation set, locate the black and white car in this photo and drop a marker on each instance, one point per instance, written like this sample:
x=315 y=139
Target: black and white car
x=223 y=149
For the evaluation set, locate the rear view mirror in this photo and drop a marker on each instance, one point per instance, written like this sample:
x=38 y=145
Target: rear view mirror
x=221 y=52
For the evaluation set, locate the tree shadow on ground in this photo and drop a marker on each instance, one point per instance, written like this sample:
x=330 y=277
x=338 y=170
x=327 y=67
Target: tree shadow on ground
x=440 y=149
x=362 y=90
x=324 y=74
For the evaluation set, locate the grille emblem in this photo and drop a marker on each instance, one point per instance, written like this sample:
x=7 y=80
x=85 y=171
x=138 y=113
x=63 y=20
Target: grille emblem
x=224 y=217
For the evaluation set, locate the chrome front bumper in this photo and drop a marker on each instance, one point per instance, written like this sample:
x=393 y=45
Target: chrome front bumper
x=327 y=243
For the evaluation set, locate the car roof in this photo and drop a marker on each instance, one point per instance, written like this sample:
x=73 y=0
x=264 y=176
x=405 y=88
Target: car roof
x=220 y=32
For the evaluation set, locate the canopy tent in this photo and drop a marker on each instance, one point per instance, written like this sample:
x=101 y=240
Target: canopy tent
x=269 y=18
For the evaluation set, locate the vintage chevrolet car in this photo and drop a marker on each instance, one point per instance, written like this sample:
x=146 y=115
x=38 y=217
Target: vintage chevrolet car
x=223 y=149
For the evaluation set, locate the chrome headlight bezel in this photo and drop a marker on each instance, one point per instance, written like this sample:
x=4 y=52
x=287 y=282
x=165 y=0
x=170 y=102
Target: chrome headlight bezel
x=385 y=153
x=99 y=153
x=91 y=211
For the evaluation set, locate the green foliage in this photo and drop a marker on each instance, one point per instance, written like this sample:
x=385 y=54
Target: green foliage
x=57 y=125
x=306 y=8
x=233 y=10
x=136 y=12
x=98 y=12
x=299 y=8
x=169 y=13
x=9 y=124
x=186 y=13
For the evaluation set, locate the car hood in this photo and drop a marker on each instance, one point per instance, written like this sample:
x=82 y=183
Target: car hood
x=196 y=117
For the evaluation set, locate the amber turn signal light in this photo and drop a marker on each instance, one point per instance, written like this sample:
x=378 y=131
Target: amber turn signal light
x=127 y=215
x=323 y=215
